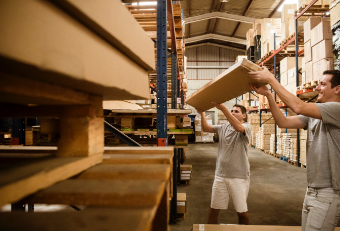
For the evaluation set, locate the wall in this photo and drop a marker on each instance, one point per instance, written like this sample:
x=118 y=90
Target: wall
x=204 y=63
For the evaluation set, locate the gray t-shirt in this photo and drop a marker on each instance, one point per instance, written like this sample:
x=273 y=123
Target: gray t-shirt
x=323 y=146
x=232 y=157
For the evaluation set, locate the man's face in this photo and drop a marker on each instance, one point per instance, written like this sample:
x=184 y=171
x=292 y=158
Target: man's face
x=236 y=111
x=326 y=92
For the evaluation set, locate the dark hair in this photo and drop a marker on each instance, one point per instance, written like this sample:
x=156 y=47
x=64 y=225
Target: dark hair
x=243 y=110
x=335 y=81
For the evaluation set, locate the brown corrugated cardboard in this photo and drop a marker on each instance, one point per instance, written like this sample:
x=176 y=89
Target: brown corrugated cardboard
x=250 y=38
x=303 y=64
x=308 y=51
x=321 y=66
x=228 y=85
x=181 y=140
x=308 y=26
x=288 y=10
x=257 y=25
x=285 y=30
x=303 y=78
x=181 y=202
x=127 y=122
x=322 y=50
x=321 y=32
x=288 y=63
x=171 y=122
x=42 y=39
x=284 y=78
x=335 y=14
x=292 y=76
x=309 y=72
x=301 y=22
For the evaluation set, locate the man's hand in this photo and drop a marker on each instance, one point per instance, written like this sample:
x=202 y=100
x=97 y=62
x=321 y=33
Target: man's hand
x=219 y=106
x=263 y=76
x=199 y=111
x=263 y=90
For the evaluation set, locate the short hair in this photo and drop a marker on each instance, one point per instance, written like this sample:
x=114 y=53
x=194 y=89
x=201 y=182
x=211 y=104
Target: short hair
x=335 y=81
x=243 y=110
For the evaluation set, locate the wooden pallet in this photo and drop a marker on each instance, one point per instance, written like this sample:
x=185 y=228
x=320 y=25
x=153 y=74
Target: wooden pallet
x=315 y=9
x=311 y=84
x=292 y=162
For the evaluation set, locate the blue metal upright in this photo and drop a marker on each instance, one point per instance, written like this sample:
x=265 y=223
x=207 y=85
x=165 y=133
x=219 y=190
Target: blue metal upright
x=173 y=80
x=162 y=139
x=275 y=92
x=297 y=84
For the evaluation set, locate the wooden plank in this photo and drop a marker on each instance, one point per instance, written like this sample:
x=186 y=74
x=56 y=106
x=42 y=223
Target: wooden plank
x=139 y=150
x=14 y=89
x=23 y=179
x=90 y=219
x=127 y=171
x=208 y=227
x=81 y=136
x=137 y=159
x=226 y=86
x=118 y=193
x=99 y=17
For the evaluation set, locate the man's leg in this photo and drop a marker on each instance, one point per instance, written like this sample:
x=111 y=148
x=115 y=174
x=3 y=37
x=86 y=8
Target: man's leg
x=321 y=210
x=243 y=218
x=213 y=216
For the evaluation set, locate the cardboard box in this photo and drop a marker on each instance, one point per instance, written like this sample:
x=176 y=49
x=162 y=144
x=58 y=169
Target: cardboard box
x=186 y=167
x=257 y=26
x=303 y=64
x=288 y=63
x=303 y=78
x=308 y=26
x=90 y=57
x=309 y=72
x=127 y=122
x=198 y=139
x=301 y=23
x=335 y=14
x=240 y=57
x=186 y=122
x=288 y=10
x=250 y=38
x=228 y=85
x=171 y=122
x=323 y=49
x=284 y=78
x=181 y=202
x=321 y=66
x=285 y=30
x=308 y=51
x=181 y=140
x=321 y=32
x=292 y=76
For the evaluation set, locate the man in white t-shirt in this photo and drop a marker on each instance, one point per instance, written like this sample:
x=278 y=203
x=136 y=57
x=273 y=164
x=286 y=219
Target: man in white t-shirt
x=321 y=207
x=232 y=165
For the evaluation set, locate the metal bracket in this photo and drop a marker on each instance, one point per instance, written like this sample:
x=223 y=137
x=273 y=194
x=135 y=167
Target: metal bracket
x=108 y=127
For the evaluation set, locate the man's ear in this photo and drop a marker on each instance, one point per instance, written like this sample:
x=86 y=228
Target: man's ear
x=337 y=89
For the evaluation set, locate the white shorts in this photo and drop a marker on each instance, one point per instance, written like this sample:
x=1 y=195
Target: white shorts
x=224 y=188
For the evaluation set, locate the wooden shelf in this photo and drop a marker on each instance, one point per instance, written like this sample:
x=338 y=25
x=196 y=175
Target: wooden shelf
x=22 y=175
x=116 y=219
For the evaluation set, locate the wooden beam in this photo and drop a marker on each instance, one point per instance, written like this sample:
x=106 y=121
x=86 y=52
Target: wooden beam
x=216 y=37
x=276 y=8
x=220 y=15
x=244 y=13
x=217 y=20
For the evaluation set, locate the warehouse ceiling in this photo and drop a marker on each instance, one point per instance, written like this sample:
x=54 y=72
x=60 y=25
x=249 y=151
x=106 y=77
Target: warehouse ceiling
x=224 y=23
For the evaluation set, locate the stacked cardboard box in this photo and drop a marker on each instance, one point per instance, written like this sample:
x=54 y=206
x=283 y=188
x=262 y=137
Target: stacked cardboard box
x=318 y=48
x=272 y=143
x=254 y=120
x=181 y=205
x=257 y=39
x=303 y=147
x=264 y=136
x=288 y=73
x=269 y=27
x=293 y=149
x=288 y=12
x=201 y=136
x=303 y=3
x=240 y=57
x=186 y=171
x=181 y=140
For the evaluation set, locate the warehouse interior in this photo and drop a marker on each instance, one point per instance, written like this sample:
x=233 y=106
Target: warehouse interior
x=101 y=124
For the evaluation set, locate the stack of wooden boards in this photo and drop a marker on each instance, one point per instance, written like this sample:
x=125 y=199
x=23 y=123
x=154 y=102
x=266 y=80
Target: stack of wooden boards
x=62 y=58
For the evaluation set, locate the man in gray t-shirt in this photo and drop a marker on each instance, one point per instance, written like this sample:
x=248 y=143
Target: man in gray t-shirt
x=321 y=207
x=232 y=165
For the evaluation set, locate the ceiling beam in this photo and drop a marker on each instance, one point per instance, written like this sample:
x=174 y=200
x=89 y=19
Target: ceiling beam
x=214 y=44
x=244 y=13
x=220 y=15
x=217 y=20
x=276 y=8
x=211 y=10
x=216 y=37
x=188 y=9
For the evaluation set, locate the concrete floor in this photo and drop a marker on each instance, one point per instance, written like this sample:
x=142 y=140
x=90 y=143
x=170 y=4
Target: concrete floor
x=276 y=194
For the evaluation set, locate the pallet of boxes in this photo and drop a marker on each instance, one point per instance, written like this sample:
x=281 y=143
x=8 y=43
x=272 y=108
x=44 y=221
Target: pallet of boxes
x=200 y=136
x=181 y=205
x=254 y=120
x=269 y=28
x=303 y=148
x=318 y=50
x=185 y=175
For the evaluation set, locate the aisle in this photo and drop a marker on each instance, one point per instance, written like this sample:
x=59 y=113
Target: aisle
x=276 y=189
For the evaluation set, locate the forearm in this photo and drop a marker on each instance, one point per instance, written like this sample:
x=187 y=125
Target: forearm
x=204 y=123
x=287 y=98
x=280 y=119
x=233 y=121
